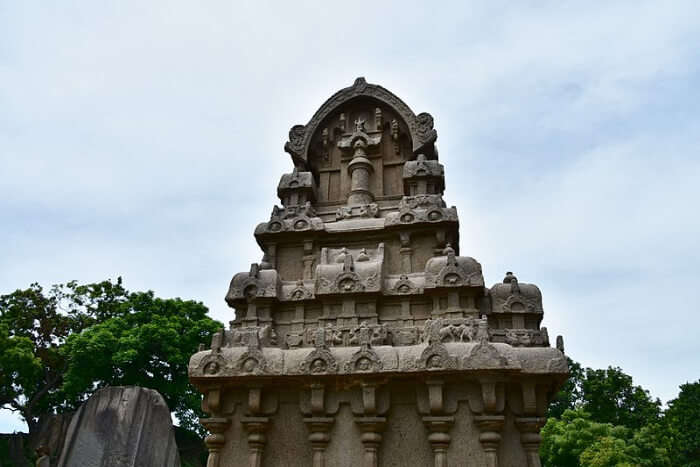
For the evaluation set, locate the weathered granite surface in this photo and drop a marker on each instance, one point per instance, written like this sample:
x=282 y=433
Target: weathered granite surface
x=121 y=427
x=363 y=337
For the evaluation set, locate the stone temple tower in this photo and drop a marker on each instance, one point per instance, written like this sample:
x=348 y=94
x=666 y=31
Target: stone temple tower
x=363 y=337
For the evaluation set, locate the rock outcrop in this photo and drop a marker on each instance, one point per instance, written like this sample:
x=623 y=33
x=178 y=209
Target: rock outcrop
x=121 y=427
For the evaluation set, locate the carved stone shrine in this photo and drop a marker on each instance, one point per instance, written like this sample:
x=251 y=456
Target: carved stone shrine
x=363 y=338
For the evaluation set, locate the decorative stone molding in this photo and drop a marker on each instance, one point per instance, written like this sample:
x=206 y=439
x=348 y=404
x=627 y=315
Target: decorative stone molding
x=371 y=437
x=256 y=428
x=346 y=271
x=420 y=126
x=436 y=358
x=490 y=427
x=215 y=440
x=530 y=438
x=247 y=287
x=419 y=209
x=452 y=271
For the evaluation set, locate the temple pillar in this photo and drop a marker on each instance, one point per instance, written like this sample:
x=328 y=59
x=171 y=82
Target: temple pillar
x=216 y=439
x=319 y=425
x=371 y=426
x=437 y=423
x=490 y=427
x=530 y=438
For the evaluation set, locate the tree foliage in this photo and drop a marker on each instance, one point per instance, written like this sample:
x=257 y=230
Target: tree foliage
x=609 y=396
x=34 y=325
x=577 y=440
x=600 y=418
x=683 y=419
x=60 y=345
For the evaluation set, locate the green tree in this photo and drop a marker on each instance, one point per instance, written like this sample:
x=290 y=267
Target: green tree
x=59 y=346
x=683 y=419
x=569 y=396
x=577 y=440
x=611 y=397
x=34 y=324
x=148 y=343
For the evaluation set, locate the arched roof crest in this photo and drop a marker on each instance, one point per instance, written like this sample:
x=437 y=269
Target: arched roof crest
x=420 y=126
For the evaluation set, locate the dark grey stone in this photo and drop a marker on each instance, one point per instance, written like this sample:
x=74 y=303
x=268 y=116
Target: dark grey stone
x=121 y=427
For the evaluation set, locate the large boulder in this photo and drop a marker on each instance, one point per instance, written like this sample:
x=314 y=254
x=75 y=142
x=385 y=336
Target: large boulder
x=121 y=427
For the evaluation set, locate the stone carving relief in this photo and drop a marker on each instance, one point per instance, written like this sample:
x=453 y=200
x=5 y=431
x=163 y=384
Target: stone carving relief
x=350 y=336
x=362 y=210
x=484 y=356
x=254 y=284
x=514 y=297
x=404 y=286
x=366 y=360
x=452 y=271
x=291 y=219
x=343 y=271
x=264 y=336
x=527 y=337
x=320 y=360
x=299 y=292
x=213 y=364
x=421 y=209
x=420 y=127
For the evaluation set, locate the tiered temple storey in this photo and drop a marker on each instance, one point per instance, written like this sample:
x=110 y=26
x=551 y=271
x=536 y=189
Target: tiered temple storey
x=363 y=337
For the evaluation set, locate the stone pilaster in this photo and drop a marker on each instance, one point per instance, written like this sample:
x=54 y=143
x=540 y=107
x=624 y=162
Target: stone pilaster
x=490 y=427
x=319 y=425
x=255 y=427
x=371 y=437
x=439 y=437
x=216 y=439
x=530 y=438
x=319 y=428
x=437 y=423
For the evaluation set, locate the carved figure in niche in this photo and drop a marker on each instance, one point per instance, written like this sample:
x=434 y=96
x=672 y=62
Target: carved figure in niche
x=435 y=362
x=363 y=364
x=249 y=365
x=212 y=368
x=318 y=366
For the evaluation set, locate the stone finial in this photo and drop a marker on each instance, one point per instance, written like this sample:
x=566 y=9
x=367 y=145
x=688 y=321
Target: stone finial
x=560 y=344
x=513 y=281
x=254 y=269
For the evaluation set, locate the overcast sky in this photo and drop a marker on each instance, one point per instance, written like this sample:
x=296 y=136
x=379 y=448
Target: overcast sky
x=144 y=140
